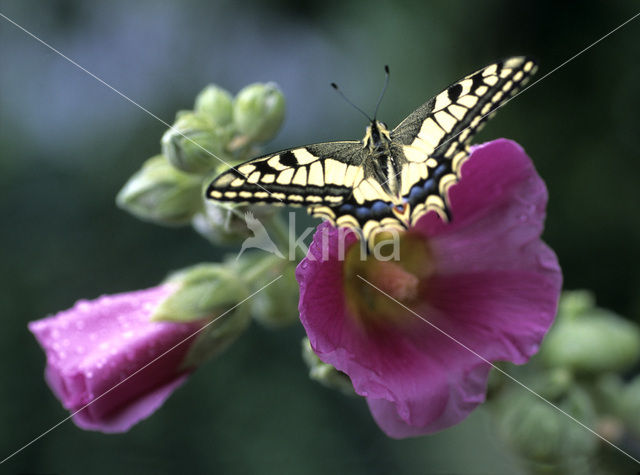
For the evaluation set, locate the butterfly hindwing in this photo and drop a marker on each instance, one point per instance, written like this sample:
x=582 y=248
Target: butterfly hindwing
x=437 y=134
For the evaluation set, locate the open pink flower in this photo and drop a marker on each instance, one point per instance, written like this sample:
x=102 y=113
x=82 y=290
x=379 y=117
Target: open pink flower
x=485 y=278
x=97 y=344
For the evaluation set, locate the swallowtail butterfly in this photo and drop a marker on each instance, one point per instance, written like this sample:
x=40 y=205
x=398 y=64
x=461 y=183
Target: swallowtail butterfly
x=390 y=178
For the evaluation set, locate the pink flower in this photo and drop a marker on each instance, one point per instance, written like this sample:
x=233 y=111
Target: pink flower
x=97 y=344
x=485 y=278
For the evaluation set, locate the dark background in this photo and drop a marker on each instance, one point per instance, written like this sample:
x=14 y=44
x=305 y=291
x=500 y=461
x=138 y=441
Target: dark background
x=68 y=143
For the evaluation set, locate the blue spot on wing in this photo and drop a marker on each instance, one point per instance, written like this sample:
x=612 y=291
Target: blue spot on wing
x=379 y=206
x=377 y=210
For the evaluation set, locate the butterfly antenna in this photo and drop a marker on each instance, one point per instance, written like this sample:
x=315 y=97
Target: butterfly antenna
x=335 y=86
x=384 y=89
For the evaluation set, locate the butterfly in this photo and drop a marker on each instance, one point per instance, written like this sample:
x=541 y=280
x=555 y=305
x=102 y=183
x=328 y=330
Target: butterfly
x=390 y=178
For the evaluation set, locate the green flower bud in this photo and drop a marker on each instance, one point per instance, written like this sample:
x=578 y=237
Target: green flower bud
x=277 y=305
x=258 y=112
x=216 y=104
x=161 y=194
x=588 y=339
x=203 y=290
x=195 y=145
x=544 y=436
x=575 y=302
x=607 y=392
x=324 y=373
x=630 y=406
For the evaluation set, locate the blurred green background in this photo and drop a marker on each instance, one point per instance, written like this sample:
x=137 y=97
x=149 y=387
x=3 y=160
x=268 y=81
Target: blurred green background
x=68 y=143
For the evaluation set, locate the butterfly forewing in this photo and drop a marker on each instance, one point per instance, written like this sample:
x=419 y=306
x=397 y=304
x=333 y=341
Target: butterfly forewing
x=437 y=134
x=316 y=174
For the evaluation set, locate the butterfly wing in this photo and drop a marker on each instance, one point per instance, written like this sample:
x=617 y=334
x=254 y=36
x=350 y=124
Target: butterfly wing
x=432 y=142
x=319 y=176
x=334 y=179
x=340 y=181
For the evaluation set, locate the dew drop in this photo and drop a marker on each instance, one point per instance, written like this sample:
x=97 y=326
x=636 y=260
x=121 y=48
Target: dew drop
x=55 y=334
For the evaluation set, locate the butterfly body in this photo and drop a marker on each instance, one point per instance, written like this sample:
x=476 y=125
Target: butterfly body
x=390 y=178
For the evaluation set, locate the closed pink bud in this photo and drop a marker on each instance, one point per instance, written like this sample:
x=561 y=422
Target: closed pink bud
x=108 y=363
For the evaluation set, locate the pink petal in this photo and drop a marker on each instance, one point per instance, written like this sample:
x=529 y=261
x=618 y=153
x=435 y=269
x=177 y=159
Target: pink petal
x=96 y=345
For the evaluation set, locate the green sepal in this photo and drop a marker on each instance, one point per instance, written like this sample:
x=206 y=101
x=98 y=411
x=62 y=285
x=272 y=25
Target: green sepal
x=202 y=291
x=161 y=194
x=218 y=336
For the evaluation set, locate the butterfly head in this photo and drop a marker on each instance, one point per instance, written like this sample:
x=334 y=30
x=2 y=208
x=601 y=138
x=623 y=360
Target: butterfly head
x=377 y=136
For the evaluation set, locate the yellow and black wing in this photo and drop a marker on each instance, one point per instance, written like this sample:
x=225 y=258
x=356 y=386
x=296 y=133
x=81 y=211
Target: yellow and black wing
x=347 y=184
x=323 y=174
x=432 y=142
